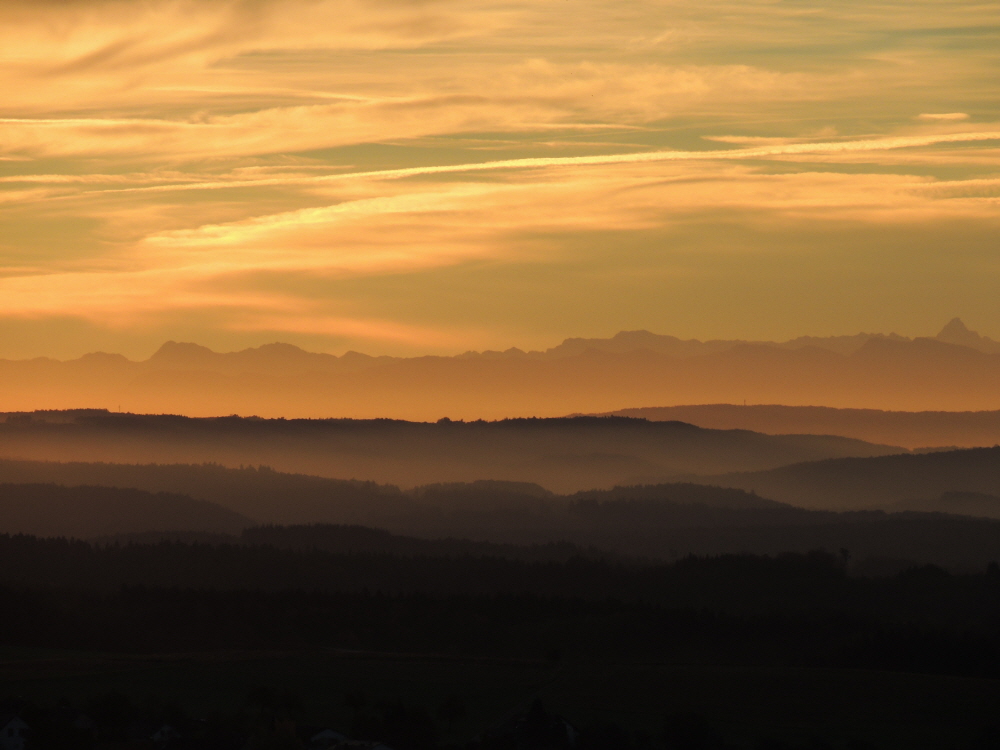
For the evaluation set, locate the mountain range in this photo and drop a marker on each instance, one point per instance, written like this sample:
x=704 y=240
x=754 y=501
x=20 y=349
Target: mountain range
x=956 y=370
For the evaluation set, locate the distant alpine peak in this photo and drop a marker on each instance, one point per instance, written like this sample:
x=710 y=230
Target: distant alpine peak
x=956 y=332
x=181 y=349
x=953 y=326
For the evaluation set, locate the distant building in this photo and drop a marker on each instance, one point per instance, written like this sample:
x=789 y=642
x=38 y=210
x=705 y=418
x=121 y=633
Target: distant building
x=13 y=732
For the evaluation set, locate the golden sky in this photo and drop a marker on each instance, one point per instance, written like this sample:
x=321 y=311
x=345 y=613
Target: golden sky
x=434 y=176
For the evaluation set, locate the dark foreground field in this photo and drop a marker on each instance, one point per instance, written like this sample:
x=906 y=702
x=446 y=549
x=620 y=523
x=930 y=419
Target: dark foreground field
x=412 y=700
x=853 y=603
x=271 y=645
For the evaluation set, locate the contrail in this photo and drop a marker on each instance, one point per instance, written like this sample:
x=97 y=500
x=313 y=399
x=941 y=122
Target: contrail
x=875 y=144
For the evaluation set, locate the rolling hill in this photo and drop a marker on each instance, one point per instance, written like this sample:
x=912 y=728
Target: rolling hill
x=928 y=481
x=84 y=512
x=914 y=430
x=563 y=455
x=662 y=522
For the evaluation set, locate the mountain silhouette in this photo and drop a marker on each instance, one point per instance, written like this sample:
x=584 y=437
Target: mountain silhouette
x=957 y=370
x=184 y=356
x=955 y=332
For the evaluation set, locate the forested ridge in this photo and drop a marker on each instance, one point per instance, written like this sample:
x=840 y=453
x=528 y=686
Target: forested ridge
x=562 y=454
x=173 y=595
x=663 y=522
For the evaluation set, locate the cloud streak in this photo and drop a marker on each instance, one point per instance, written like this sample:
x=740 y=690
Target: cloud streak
x=763 y=152
x=444 y=174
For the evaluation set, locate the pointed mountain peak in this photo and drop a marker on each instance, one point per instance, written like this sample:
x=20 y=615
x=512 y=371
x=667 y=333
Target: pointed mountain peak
x=955 y=326
x=956 y=332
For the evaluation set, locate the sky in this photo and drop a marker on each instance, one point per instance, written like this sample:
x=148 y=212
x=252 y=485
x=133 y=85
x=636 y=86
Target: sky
x=432 y=176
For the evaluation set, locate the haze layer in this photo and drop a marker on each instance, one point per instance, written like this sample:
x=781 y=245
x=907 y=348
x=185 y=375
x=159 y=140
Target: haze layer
x=957 y=370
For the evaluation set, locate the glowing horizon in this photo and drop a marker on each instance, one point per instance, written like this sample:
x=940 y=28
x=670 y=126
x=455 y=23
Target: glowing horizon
x=409 y=178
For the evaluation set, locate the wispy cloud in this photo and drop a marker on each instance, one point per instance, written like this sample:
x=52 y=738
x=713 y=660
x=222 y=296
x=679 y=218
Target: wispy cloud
x=238 y=164
x=761 y=152
x=944 y=116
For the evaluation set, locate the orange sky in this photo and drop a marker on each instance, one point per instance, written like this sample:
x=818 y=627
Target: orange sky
x=408 y=177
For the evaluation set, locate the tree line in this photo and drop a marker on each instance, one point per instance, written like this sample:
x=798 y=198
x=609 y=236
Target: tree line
x=804 y=608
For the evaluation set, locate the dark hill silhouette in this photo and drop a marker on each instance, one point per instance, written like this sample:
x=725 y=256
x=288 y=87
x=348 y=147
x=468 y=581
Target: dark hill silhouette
x=879 y=482
x=341 y=539
x=262 y=494
x=956 y=370
x=360 y=540
x=52 y=510
x=483 y=487
x=910 y=429
x=562 y=455
x=656 y=522
x=477 y=509
x=975 y=504
x=681 y=494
